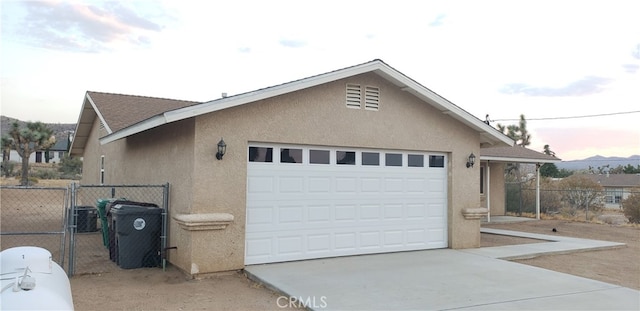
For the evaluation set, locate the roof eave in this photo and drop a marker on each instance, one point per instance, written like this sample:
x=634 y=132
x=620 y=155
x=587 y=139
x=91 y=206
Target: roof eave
x=134 y=129
x=487 y=133
x=518 y=160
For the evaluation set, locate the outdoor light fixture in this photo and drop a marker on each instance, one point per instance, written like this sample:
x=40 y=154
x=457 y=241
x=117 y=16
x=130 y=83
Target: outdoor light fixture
x=470 y=162
x=222 y=149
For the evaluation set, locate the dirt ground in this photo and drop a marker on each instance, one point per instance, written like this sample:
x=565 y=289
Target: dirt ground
x=153 y=289
x=616 y=266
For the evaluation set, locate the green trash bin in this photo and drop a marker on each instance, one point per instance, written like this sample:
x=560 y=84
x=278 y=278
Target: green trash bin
x=102 y=214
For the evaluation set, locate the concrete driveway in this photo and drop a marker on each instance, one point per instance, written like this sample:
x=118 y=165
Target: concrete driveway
x=438 y=280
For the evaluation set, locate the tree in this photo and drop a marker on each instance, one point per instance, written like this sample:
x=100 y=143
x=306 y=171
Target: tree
x=629 y=169
x=549 y=170
x=26 y=140
x=518 y=132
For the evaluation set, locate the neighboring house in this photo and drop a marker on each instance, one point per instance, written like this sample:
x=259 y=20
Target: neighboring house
x=493 y=162
x=56 y=152
x=355 y=161
x=617 y=187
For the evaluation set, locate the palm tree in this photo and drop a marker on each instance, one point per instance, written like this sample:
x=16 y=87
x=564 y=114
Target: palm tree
x=26 y=140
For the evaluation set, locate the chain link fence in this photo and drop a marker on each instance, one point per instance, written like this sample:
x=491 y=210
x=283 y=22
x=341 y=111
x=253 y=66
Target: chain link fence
x=88 y=228
x=31 y=216
x=126 y=227
x=521 y=199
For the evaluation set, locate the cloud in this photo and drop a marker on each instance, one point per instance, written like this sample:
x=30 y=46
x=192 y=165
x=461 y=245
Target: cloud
x=83 y=27
x=292 y=43
x=636 y=52
x=586 y=86
x=438 y=21
x=631 y=68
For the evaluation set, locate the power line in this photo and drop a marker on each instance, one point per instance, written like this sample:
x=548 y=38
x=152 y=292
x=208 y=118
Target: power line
x=572 y=117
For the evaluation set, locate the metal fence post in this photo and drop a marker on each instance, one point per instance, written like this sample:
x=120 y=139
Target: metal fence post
x=165 y=214
x=72 y=229
x=586 y=213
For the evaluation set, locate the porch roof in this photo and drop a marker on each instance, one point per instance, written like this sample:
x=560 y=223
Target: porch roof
x=515 y=154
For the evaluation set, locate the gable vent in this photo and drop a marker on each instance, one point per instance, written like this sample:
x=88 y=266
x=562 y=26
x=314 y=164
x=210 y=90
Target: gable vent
x=354 y=96
x=371 y=98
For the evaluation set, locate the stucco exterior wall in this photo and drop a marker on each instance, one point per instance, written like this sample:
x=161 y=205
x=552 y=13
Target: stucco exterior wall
x=157 y=156
x=183 y=154
x=319 y=116
x=493 y=197
x=497 y=189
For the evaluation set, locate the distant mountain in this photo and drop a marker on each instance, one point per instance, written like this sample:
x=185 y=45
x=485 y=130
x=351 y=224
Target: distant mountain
x=599 y=161
x=60 y=130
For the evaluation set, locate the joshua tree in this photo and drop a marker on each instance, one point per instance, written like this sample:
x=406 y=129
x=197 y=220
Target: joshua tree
x=26 y=140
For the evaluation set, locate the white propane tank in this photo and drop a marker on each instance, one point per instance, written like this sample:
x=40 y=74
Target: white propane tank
x=32 y=281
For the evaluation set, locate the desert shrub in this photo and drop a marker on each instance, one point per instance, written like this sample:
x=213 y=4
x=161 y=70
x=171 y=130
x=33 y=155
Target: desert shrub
x=8 y=168
x=631 y=208
x=581 y=192
x=70 y=168
x=46 y=174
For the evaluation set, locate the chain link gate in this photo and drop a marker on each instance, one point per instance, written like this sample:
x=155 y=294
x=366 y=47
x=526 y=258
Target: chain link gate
x=92 y=232
x=66 y=222
x=34 y=216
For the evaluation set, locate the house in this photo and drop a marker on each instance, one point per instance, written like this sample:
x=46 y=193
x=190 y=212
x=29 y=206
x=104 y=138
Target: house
x=56 y=152
x=355 y=161
x=617 y=187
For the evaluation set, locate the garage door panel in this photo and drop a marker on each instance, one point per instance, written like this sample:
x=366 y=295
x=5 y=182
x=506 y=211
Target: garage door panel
x=319 y=214
x=290 y=245
x=319 y=184
x=302 y=211
x=261 y=184
x=345 y=213
x=319 y=243
x=370 y=212
x=291 y=184
x=290 y=214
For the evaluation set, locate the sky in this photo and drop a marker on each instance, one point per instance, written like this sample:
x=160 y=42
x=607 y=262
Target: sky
x=572 y=68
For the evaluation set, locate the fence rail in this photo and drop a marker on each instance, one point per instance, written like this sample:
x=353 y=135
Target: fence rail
x=68 y=222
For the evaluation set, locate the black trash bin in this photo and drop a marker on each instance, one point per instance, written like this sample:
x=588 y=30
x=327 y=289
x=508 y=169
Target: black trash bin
x=87 y=219
x=137 y=231
x=111 y=223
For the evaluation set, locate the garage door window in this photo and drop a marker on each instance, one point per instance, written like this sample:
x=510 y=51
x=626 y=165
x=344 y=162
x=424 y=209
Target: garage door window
x=436 y=161
x=288 y=155
x=370 y=158
x=260 y=154
x=415 y=160
x=346 y=157
x=393 y=159
x=319 y=156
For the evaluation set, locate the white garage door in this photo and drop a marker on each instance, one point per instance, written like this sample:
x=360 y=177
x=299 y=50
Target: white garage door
x=312 y=202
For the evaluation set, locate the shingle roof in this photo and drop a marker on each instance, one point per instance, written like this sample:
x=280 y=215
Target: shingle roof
x=488 y=134
x=515 y=154
x=121 y=111
x=616 y=180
